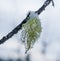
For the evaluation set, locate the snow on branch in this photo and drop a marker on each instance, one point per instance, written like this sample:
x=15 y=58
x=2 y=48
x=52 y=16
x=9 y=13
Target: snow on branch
x=17 y=28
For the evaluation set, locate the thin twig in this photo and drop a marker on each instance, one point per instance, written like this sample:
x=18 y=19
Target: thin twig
x=40 y=10
x=17 y=28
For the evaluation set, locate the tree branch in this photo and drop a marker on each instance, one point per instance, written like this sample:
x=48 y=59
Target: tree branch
x=16 y=29
x=46 y=3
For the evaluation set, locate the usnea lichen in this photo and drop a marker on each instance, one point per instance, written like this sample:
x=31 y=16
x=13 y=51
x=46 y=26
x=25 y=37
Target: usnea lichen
x=31 y=30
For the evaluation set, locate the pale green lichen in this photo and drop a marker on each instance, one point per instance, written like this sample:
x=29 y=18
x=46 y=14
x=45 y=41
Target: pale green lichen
x=31 y=31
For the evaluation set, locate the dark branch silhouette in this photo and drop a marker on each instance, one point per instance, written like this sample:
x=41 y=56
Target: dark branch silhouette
x=46 y=3
x=17 y=28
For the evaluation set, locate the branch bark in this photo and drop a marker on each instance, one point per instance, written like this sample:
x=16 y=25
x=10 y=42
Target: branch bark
x=17 y=28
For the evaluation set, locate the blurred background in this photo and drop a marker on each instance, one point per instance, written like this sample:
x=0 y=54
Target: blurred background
x=46 y=48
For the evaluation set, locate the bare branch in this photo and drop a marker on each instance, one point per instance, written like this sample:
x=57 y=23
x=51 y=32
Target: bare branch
x=46 y=3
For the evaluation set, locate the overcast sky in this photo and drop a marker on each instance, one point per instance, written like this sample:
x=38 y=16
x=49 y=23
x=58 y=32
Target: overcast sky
x=12 y=12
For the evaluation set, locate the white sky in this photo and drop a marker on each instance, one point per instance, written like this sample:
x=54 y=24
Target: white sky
x=12 y=12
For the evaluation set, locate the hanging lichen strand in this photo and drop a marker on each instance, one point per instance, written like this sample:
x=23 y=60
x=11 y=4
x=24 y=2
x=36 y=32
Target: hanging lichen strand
x=31 y=30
